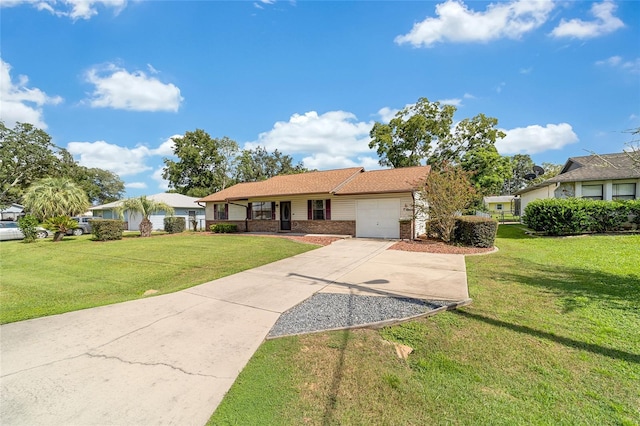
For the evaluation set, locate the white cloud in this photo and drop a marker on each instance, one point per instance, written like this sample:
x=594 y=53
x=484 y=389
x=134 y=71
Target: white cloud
x=534 y=139
x=119 y=89
x=604 y=23
x=18 y=102
x=166 y=148
x=456 y=23
x=632 y=66
x=122 y=161
x=387 y=114
x=136 y=185
x=526 y=70
x=468 y=96
x=157 y=176
x=335 y=133
x=456 y=102
x=74 y=9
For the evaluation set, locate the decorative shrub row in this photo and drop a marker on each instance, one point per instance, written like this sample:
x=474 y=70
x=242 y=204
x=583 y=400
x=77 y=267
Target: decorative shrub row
x=174 y=225
x=578 y=215
x=107 y=229
x=224 y=228
x=475 y=231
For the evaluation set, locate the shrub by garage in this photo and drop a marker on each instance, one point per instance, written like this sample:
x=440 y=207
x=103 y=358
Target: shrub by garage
x=474 y=231
x=107 y=229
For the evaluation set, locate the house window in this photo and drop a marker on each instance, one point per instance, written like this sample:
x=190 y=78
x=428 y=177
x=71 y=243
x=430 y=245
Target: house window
x=624 y=191
x=220 y=212
x=263 y=210
x=498 y=206
x=319 y=210
x=592 y=192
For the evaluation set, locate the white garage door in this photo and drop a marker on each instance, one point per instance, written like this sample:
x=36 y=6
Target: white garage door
x=378 y=218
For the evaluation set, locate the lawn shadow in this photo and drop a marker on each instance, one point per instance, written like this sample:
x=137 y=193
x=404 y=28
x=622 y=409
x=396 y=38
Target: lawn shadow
x=512 y=232
x=580 y=286
x=576 y=344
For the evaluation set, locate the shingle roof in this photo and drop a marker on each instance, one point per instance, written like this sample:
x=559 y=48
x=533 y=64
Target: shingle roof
x=593 y=167
x=173 y=199
x=403 y=179
x=298 y=184
x=498 y=199
x=598 y=167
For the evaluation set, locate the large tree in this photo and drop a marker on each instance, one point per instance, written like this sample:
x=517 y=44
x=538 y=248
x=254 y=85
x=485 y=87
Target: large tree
x=145 y=207
x=51 y=197
x=205 y=164
x=521 y=165
x=412 y=134
x=26 y=155
x=423 y=133
x=258 y=164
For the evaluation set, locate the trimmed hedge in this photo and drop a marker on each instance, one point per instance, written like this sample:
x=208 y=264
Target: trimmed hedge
x=570 y=216
x=475 y=231
x=174 y=225
x=107 y=229
x=224 y=228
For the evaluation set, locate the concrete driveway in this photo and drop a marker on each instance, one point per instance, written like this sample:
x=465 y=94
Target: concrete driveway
x=170 y=359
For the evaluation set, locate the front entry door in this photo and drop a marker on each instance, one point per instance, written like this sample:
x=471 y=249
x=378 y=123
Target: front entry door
x=285 y=215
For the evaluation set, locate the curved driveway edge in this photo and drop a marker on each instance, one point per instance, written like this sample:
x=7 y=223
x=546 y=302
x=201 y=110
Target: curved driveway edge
x=168 y=359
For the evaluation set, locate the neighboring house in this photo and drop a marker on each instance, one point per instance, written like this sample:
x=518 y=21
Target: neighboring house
x=184 y=207
x=12 y=212
x=500 y=204
x=378 y=203
x=598 y=177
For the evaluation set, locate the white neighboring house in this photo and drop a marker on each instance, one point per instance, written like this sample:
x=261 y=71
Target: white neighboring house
x=597 y=177
x=183 y=205
x=12 y=212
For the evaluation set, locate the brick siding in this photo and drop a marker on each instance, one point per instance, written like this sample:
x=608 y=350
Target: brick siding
x=338 y=227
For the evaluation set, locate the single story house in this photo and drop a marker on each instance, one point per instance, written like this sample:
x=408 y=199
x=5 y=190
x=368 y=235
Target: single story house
x=351 y=201
x=184 y=207
x=598 y=177
x=500 y=203
x=12 y=212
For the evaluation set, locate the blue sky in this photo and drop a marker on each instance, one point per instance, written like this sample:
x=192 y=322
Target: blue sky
x=113 y=81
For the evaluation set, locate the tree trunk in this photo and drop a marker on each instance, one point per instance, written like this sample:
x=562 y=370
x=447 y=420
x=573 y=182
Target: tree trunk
x=57 y=236
x=145 y=227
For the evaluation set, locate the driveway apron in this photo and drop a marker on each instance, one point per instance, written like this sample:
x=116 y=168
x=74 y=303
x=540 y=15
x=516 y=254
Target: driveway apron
x=161 y=360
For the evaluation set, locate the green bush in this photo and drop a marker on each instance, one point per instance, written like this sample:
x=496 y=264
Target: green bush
x=174 y=225
x=27 y=225
x=107 y=229
x=633 y=207
x=224 y=228
x=577 y=215
x=475 y=231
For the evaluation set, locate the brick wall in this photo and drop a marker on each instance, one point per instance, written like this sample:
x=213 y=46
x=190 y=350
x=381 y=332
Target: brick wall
x=406 y=229
x=339 y=227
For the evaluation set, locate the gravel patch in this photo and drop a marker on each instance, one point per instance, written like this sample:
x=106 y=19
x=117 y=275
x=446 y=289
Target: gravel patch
x=325 y=311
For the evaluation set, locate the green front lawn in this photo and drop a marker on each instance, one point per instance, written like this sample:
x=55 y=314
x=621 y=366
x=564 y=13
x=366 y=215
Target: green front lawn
x=552 y=337
x=47 y=278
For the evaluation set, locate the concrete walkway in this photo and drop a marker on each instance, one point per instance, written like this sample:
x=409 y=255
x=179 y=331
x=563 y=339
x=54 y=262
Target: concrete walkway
x=170 y=359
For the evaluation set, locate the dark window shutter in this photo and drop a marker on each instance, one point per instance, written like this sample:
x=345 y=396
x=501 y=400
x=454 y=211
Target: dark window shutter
x=226 y=211
x=327 y=207
x=273 y=210
x=215 y=212
x=309 y=210
x=249 y=211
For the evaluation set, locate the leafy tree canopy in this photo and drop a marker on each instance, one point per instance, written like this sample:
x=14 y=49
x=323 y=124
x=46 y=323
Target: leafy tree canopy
x=205 y=164
x=258 y=164
x=423 y=133
x=27 y=155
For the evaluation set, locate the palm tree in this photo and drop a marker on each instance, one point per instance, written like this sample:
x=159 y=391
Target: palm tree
x=51 y=197
x=145 y=207
x=60 y=225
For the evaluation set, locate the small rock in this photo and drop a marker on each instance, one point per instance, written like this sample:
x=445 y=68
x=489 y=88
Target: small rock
x=151 y=291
